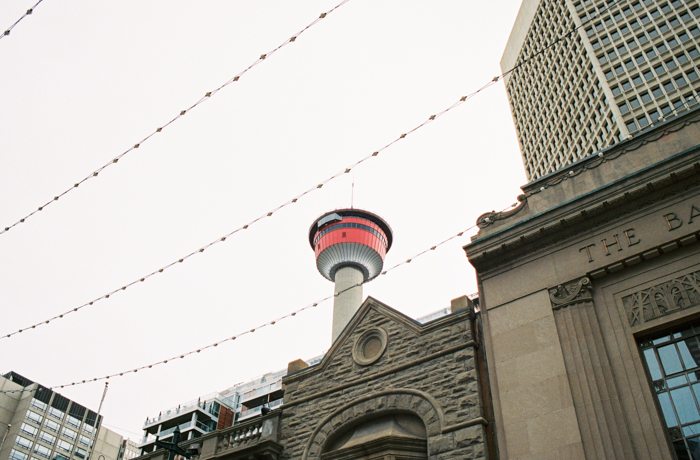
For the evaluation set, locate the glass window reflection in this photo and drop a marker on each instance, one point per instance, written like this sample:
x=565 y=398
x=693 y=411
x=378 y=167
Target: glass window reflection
x=673 y=363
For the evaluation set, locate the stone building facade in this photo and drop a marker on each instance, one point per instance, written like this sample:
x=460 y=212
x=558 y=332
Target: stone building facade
x=389 y=388
x=590 y=297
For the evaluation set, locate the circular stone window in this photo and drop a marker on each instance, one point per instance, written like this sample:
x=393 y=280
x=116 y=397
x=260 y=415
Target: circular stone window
x=369 y=347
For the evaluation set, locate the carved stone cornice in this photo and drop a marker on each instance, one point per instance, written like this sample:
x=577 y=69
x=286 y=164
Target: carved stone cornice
x=572 y=293
x=489 y=218
x=609 y=154
x=531 y=238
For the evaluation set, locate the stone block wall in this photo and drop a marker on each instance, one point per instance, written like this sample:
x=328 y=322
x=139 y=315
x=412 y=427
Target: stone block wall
x=427 y=370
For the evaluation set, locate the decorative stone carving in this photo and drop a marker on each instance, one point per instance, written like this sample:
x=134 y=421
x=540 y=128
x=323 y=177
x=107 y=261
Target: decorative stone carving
x=663 y=299
x=370 y=347
x=571 y=293
x=489 y=218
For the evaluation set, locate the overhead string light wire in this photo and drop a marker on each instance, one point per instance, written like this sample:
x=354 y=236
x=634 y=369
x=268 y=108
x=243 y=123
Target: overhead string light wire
x=320 y=185
x=239 y=75
x=182 y=113
x=267 y=324
x=27 y=13
x=270 y=213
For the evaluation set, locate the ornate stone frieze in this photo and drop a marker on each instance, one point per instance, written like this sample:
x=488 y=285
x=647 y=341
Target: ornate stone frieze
x=571 y=293
x=663 y=299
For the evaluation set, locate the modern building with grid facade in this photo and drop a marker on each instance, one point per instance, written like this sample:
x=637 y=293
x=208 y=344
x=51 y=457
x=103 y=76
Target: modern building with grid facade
x=629 y=64
x=40 y=424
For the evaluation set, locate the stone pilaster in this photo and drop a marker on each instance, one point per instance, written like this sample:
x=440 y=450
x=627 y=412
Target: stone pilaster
x=602 y=423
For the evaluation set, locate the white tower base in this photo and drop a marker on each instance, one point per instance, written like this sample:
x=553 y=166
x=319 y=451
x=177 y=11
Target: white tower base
x=347 y=303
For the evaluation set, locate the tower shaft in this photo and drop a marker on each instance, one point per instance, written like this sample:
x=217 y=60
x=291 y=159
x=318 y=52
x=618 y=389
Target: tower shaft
x=348 y=282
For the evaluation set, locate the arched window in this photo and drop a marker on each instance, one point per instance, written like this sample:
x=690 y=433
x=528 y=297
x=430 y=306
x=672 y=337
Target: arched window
x=400 y=436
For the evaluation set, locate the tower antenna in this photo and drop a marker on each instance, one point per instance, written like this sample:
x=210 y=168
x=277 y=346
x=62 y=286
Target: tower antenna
x=352 y=192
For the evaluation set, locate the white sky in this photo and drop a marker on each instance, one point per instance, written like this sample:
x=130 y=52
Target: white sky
x=82 y=81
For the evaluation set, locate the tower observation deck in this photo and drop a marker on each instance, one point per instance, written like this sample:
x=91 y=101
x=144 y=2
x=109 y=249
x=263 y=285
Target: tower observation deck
x=350 y=246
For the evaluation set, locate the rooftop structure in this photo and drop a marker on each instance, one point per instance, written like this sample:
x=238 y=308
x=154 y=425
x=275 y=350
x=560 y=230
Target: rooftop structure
x=350 y=246
x=628 y=66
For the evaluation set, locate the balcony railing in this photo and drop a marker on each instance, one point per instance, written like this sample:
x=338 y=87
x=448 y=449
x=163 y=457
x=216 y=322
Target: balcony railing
x=258 y=438
x=256 y=410
x=204 y=403
x=165 y=433
x=263 y=390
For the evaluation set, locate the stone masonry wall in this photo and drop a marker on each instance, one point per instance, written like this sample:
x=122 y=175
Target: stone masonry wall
x=436 y=379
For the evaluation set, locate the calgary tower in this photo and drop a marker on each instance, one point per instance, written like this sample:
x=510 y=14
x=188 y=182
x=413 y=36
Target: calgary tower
x=350 y=246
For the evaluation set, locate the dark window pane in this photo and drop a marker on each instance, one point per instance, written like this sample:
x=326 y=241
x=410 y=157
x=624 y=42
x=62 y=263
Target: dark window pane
x=668 y=86
x=645 y=97
x=626 y=85
x=692 y=75
x=657 y=92
x=639 y=59
x=680 y=81
x=684 y=37
x=651 y=53
x=665 y=109
x=672 y=43
x=623 y=107
x=693 y=53
x=682 y=58
x=616 y=90
x=654 y=115
x=637 y=80
x=661 y=48
x=659 y=69
x=648 y=75
x=631 y=126
x=643 y=122
x=634 y=103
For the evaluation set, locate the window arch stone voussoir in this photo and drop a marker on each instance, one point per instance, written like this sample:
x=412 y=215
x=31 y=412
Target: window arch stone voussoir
x=374 y=405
